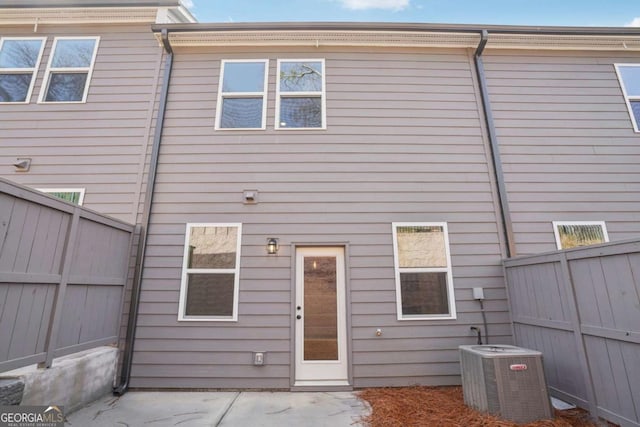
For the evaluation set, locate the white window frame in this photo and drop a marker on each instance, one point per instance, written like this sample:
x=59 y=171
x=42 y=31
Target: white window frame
x=65 y=190
x=89 y=70
x=556 y=232
x=237 y=95
x=447 y=269
x=186 y=271
x=627 y=98
x=33 y=71
x=322 y=94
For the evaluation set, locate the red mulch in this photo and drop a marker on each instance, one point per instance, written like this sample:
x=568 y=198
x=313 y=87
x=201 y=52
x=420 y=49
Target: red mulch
x=444 y=406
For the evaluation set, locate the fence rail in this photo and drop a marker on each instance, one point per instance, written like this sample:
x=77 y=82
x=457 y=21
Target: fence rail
x=581 y=308
x=63 y=270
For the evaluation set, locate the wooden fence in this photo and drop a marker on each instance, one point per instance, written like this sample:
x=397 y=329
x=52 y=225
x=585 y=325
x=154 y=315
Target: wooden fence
x=581 y=308
x=62 y=275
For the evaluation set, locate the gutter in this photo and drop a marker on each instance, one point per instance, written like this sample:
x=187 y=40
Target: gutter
x=507 y=225
x=127 y=359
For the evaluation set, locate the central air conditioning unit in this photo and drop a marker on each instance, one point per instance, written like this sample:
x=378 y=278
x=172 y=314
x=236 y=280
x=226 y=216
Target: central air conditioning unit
x=506 y=381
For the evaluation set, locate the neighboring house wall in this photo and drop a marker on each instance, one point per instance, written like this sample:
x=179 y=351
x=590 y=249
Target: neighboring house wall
x=99 y=145
x=404 y=143
x=568 y=147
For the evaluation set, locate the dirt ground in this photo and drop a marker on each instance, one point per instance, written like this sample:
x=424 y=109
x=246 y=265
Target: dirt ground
x=444 y=406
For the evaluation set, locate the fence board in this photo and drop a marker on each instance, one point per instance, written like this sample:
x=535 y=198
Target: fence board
x=45 y=311
x=591 y=343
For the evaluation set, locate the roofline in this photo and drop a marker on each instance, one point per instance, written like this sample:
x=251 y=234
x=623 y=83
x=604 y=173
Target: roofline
x=26 y=4
x=403 y=27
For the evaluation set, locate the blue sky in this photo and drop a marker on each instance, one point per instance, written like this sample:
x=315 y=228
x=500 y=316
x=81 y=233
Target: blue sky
x=616 y=13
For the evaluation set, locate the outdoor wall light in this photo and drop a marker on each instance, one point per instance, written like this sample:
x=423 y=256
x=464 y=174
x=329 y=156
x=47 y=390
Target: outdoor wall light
x=272 y=246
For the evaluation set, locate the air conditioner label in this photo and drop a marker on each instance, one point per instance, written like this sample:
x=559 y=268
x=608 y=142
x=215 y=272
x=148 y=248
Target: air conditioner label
x=518 y=367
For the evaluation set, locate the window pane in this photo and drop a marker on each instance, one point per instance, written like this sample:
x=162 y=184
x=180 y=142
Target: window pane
x=635 y=107
x=320 y=308
x=424 y=293
x=580 y=235
x=301 y=112
x=421 y=246
x=243 y=77
x=73 y=53
x=19 y=53
x=14 y=87
x=212 y=247
x=301 y=76
x=241 y=113
x=631 y=79
x=73 y=197
x=210 y=295
x=66 y=87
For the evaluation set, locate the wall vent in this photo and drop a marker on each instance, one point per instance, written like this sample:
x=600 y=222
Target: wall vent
x=506 y=381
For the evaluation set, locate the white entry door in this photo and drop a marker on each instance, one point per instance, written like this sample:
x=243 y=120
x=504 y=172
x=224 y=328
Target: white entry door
x=320 y=311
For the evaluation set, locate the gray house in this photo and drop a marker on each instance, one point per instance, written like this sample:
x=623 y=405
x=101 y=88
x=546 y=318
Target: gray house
x=327 y=206
x=330 y=197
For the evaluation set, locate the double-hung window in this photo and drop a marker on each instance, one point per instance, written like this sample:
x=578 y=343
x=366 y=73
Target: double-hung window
x=69 y=69
x=629 y=77
x=210 y=272
x=242 y=94
x=571 y=234
x=300 y=94
x=19 y=62
x=424 y=286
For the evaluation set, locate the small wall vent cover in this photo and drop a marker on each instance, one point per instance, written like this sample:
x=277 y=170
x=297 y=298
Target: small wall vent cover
x=506 y=381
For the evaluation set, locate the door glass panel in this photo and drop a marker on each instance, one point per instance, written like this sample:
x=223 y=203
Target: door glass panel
x=320 y=309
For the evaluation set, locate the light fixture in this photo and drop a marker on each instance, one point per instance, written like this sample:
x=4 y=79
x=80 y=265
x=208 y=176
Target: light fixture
x=272 y=246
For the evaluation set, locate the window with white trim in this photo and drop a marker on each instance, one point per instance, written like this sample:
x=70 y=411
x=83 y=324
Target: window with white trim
x=73 y=195
x=242 y=97
x=424 y=283
x=300 y=94
x=19 y=62
x=571 y=234
x=69 y=69
x=210 y=272
x=629 y=77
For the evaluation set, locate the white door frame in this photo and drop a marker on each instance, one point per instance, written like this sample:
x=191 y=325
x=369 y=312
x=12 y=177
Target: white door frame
x=330 y=372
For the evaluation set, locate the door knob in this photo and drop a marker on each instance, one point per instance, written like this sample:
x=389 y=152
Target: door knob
x=298 y=317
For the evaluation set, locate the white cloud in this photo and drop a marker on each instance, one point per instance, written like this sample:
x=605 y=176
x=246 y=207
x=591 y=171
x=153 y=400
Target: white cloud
x=375 y=4
x=634 y=23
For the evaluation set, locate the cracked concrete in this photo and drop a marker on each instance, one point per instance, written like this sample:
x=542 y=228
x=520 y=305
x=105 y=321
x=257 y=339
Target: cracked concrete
x=223 y=409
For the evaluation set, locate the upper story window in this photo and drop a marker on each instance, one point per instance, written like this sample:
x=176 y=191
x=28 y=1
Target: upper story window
x=629 y=77
x=571 y=234
x=300 y=94
x=210 y=272
x=19 y=62
x=424 y=284
x=69 y=69
x=242 y=97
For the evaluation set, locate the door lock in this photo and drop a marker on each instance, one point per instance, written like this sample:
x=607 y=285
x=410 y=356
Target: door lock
x=298 y=317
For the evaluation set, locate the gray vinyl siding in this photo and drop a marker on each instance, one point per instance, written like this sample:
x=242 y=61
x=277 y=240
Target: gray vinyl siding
x=99 y=145
x=567 y=143
x=403 y=143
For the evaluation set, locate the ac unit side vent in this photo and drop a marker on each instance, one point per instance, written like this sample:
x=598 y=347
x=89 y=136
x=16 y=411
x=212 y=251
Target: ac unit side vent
x=507 y=381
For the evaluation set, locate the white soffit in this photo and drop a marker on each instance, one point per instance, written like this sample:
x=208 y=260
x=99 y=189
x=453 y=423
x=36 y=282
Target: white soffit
x=78 y=15
x=563 y=42
x=325 y=38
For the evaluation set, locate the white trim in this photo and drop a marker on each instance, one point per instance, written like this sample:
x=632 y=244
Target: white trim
x=185 y=271
x=33 y=71
x=236 y=95
x=322 y=94
x=447 y=269
x=627 y=98
x=88 y=70
x=556 y=233
x=65 y=190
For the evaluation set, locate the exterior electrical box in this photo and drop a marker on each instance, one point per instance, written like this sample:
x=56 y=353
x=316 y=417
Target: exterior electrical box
x=506 y=381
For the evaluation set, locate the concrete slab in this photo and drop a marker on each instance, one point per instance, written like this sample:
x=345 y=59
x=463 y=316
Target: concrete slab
x=224 y=409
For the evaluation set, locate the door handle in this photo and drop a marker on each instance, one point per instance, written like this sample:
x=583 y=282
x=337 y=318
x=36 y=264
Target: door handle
x=298 y=317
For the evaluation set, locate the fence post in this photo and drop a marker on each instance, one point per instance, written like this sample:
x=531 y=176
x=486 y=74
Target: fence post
x=577 y=334
x=56 y=310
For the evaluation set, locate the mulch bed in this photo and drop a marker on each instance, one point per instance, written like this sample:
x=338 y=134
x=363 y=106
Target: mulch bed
x=444 y=406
